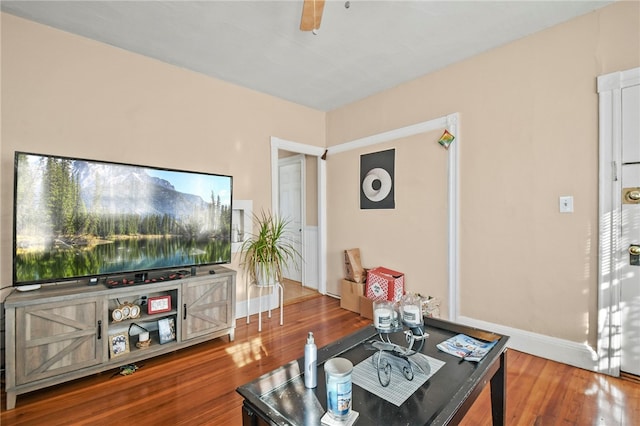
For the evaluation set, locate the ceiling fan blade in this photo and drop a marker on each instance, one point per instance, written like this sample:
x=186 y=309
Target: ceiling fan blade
x=311 y=14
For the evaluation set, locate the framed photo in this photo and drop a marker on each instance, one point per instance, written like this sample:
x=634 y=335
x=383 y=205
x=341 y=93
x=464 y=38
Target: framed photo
x=377 y=175
x=116 y=315
x=118 y=344
x=167 y=330
x=126 y=311
x=156 y=305
x=134 y=312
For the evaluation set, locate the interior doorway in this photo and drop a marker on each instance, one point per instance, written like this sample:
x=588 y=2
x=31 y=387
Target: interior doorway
x=291 y=195
x=313 y=247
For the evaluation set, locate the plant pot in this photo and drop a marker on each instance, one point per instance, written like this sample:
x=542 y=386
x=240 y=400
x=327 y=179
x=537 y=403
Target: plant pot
x=266 y=275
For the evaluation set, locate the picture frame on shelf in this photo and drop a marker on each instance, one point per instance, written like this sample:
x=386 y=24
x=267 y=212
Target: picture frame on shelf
x=116 y=315
x=118 y=344
x=125 y=311
x=159 y=304
x=167 y=330
x=134 y=311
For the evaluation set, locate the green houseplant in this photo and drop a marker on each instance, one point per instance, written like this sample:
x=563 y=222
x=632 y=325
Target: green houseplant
x=264 y=253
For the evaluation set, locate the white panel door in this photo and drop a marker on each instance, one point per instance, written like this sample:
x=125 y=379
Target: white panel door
x=290 y=181
x=630 y=238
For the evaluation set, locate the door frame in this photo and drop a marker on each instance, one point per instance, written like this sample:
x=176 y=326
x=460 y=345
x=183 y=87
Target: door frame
x=609 y=213
x=296 y=147
x=449 y=122
x=299 y=159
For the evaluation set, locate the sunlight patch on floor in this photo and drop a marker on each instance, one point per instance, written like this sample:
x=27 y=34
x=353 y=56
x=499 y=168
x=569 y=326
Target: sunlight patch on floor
x=246 y=353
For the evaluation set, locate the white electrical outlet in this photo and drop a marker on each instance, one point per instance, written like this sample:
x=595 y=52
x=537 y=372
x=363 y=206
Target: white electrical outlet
x=566 y=204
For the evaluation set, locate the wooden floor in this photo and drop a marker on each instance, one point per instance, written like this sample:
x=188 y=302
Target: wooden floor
x=196 y=386
x=294 y=292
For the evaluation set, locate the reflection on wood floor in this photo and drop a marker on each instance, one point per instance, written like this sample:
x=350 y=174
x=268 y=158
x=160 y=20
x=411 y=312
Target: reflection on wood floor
x=541 y=392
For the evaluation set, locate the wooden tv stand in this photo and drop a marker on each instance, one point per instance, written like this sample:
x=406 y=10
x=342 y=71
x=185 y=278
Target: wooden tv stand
x=62 y=332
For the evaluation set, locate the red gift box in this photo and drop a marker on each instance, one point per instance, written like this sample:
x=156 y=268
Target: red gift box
x=385 y=284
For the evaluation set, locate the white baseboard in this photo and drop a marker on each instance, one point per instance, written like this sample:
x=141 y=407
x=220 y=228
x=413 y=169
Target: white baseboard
x=565 y=351
x=268 y=300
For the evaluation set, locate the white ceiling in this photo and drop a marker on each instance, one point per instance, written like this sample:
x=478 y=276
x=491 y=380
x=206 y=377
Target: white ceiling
x=361 y=50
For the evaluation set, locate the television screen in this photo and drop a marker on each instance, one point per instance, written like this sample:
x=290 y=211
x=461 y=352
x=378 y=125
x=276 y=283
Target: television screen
x=77 y=218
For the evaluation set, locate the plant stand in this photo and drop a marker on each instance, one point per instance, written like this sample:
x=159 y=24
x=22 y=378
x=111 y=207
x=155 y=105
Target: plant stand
x=261 y=287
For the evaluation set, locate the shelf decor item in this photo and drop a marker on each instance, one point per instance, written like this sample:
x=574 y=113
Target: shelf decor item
x=125 y=311
x=144 y=340
x=117 y=315
x=167 y=330
x=118 y=344
x=134 y=311
x=159 y=304
x=263 y=254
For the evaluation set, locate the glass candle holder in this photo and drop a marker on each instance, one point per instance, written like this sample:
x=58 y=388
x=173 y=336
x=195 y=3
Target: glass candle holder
x=383 y=314
x=411 y=308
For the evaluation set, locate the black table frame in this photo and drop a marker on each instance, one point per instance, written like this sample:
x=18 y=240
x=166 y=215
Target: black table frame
x=456 y=401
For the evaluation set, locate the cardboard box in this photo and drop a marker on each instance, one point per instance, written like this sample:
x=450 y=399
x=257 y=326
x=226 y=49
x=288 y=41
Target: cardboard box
x=350 y=295
x=353 y=266
x=385 y=284
x=366 y=307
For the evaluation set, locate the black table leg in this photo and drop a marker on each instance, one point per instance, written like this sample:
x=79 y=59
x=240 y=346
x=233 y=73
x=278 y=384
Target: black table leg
x=499 y=393
x=250 y=417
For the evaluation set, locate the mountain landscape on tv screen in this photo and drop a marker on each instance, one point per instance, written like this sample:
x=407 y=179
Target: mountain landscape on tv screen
x=68 y=206
x=120 y=189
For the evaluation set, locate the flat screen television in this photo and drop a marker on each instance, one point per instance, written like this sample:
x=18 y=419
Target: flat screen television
x=76 y=218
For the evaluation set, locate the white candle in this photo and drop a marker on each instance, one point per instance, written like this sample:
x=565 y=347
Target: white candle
x=411 y=314
x=143 y=337
x=382 y=317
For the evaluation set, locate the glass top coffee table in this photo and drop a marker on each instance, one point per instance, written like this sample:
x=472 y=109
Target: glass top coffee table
x=280 y=398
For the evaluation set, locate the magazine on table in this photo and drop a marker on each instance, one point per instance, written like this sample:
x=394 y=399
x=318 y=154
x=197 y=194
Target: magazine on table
x=466 y=347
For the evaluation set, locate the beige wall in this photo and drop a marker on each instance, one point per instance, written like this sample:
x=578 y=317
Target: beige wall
x=63 y=94
x=412 y=237
x=529 y=134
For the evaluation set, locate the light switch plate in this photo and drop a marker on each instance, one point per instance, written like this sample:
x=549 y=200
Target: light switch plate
x=566 y=204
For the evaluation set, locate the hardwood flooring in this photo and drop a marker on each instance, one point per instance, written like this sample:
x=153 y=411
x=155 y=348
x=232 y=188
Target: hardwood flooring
x=542 y=392
x=294 y=292
x=196 y=386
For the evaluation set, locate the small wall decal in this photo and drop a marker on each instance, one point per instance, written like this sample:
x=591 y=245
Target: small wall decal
x=446 y=139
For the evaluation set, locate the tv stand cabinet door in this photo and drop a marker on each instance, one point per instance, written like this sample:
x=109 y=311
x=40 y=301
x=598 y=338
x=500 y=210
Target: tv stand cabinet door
x=57 y=338
x=208 y=306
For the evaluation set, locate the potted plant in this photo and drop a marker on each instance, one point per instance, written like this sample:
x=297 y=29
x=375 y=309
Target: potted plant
x=264 y=253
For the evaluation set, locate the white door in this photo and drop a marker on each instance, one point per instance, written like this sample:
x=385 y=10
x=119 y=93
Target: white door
x=630 y=232
x=290 y=179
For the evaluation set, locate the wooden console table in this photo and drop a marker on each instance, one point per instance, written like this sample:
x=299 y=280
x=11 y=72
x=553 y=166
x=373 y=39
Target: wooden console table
x=280 y=398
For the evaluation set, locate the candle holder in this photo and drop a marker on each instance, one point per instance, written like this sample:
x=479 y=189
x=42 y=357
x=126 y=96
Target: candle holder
x=144 y=340
x=411 y=309
x=388 y=318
